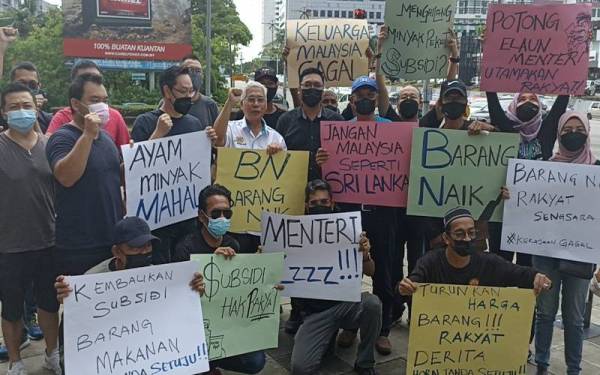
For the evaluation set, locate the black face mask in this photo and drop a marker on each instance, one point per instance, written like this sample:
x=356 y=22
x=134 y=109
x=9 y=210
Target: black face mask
x=365 y=106
x=312 y=97
x=408 y=108
x=454 y=110
x=573 y=141
x=333 y=108
x=271 y=92
x=138 y=260
x=464 y=248
x=320 y=210
x=182 y=105
x=197 y=80
x=527 y=111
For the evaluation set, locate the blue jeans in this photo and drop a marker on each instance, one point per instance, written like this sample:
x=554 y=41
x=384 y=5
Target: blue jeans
x=574 y=293
x=249 y=363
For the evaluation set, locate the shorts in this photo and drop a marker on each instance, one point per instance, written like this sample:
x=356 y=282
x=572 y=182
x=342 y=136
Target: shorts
x=75 y=262
x=19 y=271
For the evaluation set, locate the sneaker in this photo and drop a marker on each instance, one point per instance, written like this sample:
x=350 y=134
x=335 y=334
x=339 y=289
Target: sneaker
x=33 y=329
x=293 y=323
x=346 y=339
x=17 y=368
x=365 y=371
x=383 y=345
x=52 y=362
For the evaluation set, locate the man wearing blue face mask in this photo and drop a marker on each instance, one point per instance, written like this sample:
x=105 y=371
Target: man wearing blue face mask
x=27 y=241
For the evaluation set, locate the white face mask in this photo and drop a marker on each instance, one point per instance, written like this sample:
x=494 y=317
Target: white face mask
x=101 y=109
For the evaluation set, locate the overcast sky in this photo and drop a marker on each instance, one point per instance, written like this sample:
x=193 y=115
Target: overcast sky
x=247 y=10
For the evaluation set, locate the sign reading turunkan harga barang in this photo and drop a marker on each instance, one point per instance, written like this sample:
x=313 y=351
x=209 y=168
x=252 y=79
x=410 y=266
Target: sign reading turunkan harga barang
x=127 y=29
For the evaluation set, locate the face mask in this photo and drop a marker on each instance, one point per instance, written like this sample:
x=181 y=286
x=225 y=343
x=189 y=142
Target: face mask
x=21 y=120
x=319 y=210
x=138 y=260
x=365 y=106
x=332 y=108
x=454 y=110
x=196 y=80
x=101 y=109
x=311 y=97
x=408 y=108
x=572 y=141
x=463 y=248
x=271 y=92
x=218 y=227
x=182 y=105
x=527 y=111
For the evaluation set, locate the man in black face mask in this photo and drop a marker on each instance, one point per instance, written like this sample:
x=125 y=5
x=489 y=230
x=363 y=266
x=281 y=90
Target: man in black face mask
x=203 y=108
x=459 y=263
x=301 y=127
x=330 y=100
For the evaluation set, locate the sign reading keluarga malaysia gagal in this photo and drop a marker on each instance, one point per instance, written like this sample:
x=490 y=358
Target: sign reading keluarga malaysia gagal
x=554 y=210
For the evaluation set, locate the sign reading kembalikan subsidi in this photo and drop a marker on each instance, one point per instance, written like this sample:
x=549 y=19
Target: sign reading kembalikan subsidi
x=459 y=329
x=537 y=48
x=127 y=30
x=450 y=168
x=336 y=46
x=418 y=35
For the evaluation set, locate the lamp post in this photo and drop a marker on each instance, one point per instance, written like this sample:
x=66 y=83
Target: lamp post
x=208 y=47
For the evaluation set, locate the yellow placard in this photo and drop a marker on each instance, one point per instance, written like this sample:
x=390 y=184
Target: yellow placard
x=258 y=182
x=469 y=330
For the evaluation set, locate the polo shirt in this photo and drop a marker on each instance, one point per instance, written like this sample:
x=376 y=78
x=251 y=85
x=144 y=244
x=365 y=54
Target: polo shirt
x=239 y=135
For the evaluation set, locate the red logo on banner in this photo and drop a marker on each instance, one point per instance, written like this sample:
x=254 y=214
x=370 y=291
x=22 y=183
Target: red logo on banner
x=128 y=8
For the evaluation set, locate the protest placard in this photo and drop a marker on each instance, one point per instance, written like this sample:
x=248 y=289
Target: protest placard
x=537 y=48
x=140 y=321
x=322 y=260
x=259 y=182
x=337 y=47
x=450 y=168
x=368 y=162
x=163 y=177
x=418 y=35
x=240 y=305
x=459 y=329
x=553 y=211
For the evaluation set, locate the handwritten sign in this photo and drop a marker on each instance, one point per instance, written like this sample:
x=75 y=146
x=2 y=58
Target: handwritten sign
x=241 y=304
x=418 y=35
x=337 y=47
x=553 y=211
x=369 y=162
x=141 y=321
x=260 y=182
x=163 y=177
x=537 y=48
x=459 y=329
x=322 y=260
x=449 y=168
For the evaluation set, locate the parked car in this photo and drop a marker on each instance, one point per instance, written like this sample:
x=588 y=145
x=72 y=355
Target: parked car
x=590 y=108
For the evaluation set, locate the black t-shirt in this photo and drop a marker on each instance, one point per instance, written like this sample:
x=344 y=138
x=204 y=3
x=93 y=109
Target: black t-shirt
x=145 y=124
x=194 y=243
x=206 y=110
x=485 y=269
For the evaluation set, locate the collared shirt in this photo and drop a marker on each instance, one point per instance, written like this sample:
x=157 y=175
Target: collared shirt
x=239 y=135
x=302 y=134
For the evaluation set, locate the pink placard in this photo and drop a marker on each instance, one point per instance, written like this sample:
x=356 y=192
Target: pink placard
x=542 y=49
x=368 y=162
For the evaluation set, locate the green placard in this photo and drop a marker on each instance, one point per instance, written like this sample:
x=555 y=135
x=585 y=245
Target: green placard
x=450 y=168
x=240 y=304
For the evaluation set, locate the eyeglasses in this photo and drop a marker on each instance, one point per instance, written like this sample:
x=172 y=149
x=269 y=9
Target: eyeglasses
x=216 y=213
x=33 y=85
x=254 y=99
x=189 y=92
x=319 y=202
x=461 y=235
x=194 y=70
x=310 y=85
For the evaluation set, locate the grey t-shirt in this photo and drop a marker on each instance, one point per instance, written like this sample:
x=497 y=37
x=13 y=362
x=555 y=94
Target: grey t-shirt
x=26 y=197
x=205 y=110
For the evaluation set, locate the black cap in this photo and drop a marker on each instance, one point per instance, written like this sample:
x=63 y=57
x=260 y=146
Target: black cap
x=133 y=231
x=265 y=73
x=457 y=86
x=456 y=213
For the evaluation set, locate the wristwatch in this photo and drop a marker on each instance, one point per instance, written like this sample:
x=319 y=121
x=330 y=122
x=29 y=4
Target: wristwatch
x=455 y=60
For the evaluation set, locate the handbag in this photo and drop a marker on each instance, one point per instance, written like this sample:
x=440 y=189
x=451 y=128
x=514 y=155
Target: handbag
x=576 y=269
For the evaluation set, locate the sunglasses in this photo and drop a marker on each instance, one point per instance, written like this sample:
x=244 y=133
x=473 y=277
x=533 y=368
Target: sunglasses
x=319 y=202
x=215 y=214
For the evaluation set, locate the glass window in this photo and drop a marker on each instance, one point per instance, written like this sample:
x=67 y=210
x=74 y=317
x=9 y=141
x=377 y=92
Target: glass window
x=378 y=15
x=336 y=14
x=371 y=15
x=322 y=13
x=329 y=14
x=315 y=13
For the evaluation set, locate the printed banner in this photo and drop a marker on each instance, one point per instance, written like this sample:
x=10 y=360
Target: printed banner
x=163 y=177
x=450 y=168
x=141 y=321
x=260 y=182
x=322 y=260
x=537 y=48
x=368 y=162
x=418 y=35
x=459 y=329
x=336 y=46
x=127 y=30
x=240 y=304
x=553 y=211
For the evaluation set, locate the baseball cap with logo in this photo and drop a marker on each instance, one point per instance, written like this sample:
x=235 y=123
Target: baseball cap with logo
x=265 y=73
x=454 y=86
x=364 y=81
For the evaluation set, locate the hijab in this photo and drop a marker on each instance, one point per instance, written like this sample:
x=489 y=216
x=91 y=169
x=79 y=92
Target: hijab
x=529 y=130
x=581 y=156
